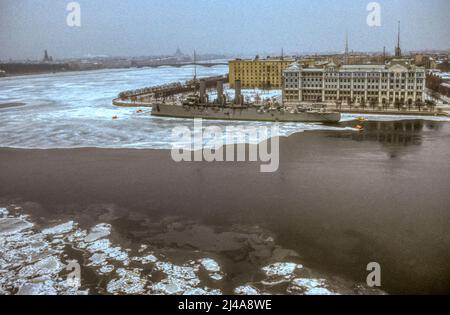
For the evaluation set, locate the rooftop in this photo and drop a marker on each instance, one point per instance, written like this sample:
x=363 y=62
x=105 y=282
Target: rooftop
x=291 y=59
x=363 y=67
x=293 y=67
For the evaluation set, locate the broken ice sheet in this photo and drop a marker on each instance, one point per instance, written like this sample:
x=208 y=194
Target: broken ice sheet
x=98 y=259
x=9 y=226
x=31 y=262
x=210 y=264
x=50 y=265
x=146 y=259
x=97 y=232
x=129 y=282
x=309 y=287
x=99 y=246
x=38 y=288
x=281 y=269
x=246 y=290
x=212 y=267
x=3 y=212
x=106 y=269
x=280 y=272
x=60 y=229
x=180 y=280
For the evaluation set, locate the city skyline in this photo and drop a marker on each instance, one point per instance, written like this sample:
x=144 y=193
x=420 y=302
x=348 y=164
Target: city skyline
x=232 y=27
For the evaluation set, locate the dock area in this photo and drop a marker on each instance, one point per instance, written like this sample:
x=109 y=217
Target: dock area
x=146 y=96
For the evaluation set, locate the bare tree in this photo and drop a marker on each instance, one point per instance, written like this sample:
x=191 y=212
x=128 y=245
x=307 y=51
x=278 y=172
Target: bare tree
x=363 y=103
x=397 y=104
x=350 y=102
x=431 y=104
x=419 y=104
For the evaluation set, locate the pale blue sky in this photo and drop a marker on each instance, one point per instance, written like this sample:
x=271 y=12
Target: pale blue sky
x=148 y=27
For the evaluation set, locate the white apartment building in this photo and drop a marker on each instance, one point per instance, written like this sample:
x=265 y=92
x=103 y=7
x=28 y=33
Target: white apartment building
x=381 y=84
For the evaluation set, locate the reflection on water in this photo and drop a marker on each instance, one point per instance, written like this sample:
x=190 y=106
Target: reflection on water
x=401 y=133
x=394 y=136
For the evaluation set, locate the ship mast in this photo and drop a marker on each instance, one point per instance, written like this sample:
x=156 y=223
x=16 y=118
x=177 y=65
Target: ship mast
x=346 y=57
x=195 y=65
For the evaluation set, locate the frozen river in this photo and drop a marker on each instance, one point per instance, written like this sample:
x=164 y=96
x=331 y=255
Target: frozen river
x=69 y=110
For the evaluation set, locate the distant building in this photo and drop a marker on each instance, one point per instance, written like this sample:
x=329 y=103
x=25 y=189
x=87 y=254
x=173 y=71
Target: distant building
x=426 y=61
x=178 y=53
x=2 y=73
x=47 y=58
x=258 y=73
x=383 y=84
x=420 y=59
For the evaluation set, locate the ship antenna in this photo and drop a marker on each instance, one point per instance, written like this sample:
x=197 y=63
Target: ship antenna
x=346 y=58
x=195 y=65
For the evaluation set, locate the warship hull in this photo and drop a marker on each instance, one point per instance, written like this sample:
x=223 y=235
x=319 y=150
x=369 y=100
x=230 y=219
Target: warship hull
x=249 y=114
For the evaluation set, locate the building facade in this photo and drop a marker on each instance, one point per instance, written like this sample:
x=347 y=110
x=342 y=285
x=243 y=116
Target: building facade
x=258 y=73
x=380 y=84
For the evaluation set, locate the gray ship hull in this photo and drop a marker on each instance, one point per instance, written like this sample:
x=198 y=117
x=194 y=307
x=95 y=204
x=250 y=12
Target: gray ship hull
x=249 y=114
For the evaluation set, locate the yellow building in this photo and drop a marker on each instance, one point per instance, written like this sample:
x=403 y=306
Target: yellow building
x=258 y=73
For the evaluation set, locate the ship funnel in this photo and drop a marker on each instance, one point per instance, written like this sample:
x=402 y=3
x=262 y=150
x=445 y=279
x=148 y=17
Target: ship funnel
x=220 y=98
x=237 y=91
x=202 y=91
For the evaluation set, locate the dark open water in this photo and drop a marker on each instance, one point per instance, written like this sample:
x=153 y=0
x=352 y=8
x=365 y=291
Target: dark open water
x=340 y=200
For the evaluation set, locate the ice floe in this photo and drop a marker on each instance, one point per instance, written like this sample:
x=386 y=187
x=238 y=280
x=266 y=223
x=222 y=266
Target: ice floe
x=281 y=269
x=9 y=226
x=146 y=259
x=97 y=232
x=50 y=265
x=212 y=267
x=3 y=212
x=39 y=288
x=30 y=261
x=309 y=287
x=128 y=282
x=99 y=246
x=106 y=269
x=180 y=280
x=98 y=259
x=280 y=272
x=246 y=290
x=60 y=229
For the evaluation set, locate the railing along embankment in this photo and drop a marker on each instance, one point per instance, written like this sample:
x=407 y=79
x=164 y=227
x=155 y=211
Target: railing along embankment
x=145 y=96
